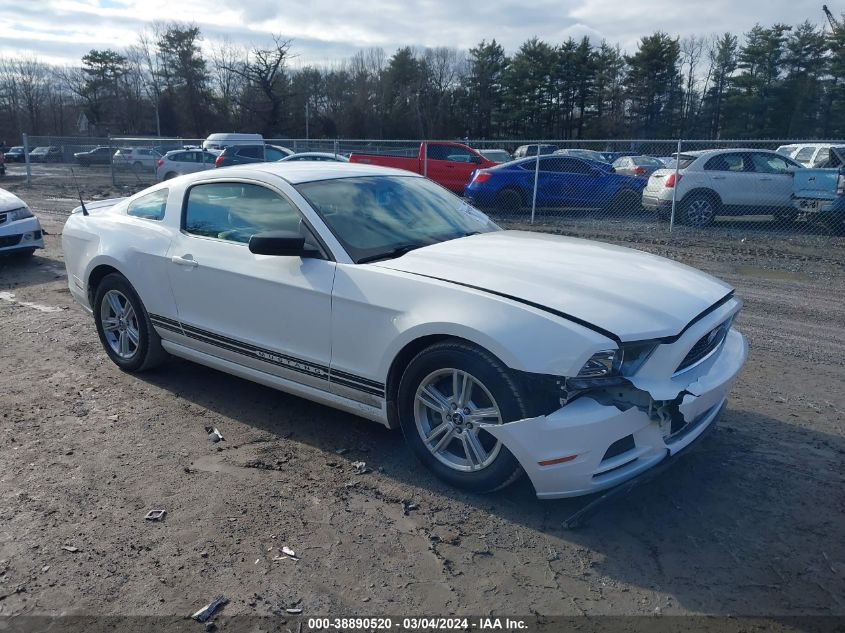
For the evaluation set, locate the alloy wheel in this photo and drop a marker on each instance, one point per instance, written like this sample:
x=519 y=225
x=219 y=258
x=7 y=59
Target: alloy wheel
x=700 y=212
x=120 y=324
x=449 y=407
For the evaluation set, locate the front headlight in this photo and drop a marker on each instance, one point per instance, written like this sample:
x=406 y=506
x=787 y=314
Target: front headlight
x=603 y=363
x=19 y=214
x=624 y=361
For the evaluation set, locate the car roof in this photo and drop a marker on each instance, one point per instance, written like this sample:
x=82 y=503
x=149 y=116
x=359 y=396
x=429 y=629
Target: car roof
x=314 y=154
x=712 y=152
x=297 y=172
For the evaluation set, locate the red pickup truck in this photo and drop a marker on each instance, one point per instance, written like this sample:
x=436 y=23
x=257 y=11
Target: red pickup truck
x=449 y=164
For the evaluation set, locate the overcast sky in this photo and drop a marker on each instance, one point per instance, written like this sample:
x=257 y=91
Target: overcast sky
x=325 y=31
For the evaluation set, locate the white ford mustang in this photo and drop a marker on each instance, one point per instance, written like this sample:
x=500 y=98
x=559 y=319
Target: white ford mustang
x=380 y=293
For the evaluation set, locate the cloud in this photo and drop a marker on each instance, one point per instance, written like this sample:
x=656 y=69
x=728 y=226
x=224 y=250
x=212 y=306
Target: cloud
x=324 y=31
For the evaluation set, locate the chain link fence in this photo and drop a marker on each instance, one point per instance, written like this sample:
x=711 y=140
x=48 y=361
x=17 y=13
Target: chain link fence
x=661 y=186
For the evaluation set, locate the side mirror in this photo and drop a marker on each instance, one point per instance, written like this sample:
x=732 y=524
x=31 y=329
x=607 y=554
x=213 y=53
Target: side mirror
x=477 y=159
x=282 y=243
x=597 y=173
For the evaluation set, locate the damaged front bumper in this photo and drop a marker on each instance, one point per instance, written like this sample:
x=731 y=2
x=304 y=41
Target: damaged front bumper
x=587 y=446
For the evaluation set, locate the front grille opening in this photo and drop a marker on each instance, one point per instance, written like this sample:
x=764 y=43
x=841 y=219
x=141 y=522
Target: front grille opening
x=704 y=346
x=619 y=447
x=10 y=240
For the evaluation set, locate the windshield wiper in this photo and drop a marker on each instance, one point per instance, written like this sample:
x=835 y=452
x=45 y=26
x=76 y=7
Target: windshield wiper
x=398 y=251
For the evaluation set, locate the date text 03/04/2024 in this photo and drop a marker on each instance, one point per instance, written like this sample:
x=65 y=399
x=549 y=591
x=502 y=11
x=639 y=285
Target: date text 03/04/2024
x=417 y=623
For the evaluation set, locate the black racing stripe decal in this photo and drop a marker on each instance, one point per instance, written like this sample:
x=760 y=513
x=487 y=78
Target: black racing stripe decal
x=315 y=370
x=165 y=326
x=158 y=317
x=357 y=387
x=252 y=348
x=355 y=378
x=273 y=361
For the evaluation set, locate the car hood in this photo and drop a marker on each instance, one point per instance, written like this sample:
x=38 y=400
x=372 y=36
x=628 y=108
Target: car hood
x=629 y=293
x=9 y=201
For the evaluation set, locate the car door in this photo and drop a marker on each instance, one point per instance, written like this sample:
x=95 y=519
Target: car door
x=568 y=181
x=450 y=165
x=192 y=161
x=774 y=181
x=731 y=175
x=270 y=313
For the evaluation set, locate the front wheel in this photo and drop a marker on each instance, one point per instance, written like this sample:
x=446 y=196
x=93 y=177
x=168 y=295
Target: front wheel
x=447 y=394
x=124 y=328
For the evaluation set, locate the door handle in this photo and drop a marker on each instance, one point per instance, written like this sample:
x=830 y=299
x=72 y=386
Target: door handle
x=184 y=261
x=718 y=177
x=767 y=178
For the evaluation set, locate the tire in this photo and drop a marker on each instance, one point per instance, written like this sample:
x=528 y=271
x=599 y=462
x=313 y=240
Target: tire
x=508 y=200
x=493 y=390
x=145 y=352
x=699 y=210
x=624 y=203
x=169 y=175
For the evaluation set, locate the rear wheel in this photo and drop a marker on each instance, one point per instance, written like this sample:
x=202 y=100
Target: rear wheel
x=137 y=165
x=125 y=330
x=448 y=392
x=169 y=175
x=699 y=210
x=508 y=200
x=625 y=203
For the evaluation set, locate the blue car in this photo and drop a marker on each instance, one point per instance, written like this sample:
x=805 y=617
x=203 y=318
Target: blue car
x=563 y=181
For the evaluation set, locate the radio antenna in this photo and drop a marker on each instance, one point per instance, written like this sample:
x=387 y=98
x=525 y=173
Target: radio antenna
x=79 y=191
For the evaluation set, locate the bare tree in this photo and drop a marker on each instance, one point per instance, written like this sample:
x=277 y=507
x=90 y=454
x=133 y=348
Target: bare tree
x=227 y=82
x=264 y=69
x=692 y=48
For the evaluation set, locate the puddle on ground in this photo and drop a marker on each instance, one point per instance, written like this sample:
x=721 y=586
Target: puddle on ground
x=767 y=273
x=215 y=464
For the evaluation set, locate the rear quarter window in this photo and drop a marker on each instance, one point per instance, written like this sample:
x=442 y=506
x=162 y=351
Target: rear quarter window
x=150 y=206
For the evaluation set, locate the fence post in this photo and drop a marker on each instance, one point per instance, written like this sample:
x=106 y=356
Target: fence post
x=536 y=177
x=111 y=162
x=26 y=158
x=336 y=146
x=675 y=188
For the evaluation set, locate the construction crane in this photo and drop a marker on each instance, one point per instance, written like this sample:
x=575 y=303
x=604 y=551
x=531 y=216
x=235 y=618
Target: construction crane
x=835 y=24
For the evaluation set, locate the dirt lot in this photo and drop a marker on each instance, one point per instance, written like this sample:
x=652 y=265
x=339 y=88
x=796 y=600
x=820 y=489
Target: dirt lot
x=750 y=523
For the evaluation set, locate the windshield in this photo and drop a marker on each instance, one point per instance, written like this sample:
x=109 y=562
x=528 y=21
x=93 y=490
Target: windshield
x=377 y=217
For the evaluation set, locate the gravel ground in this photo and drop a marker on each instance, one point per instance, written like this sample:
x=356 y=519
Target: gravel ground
x=751 y=523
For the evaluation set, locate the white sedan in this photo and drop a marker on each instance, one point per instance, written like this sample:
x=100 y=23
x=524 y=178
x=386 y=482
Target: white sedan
x=20 y=231
x=380 y=293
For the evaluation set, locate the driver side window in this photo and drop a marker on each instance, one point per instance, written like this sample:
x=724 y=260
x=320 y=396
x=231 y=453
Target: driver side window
x=235 y=211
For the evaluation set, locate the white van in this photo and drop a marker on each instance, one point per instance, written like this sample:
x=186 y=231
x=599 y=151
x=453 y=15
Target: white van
x=222 y=140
